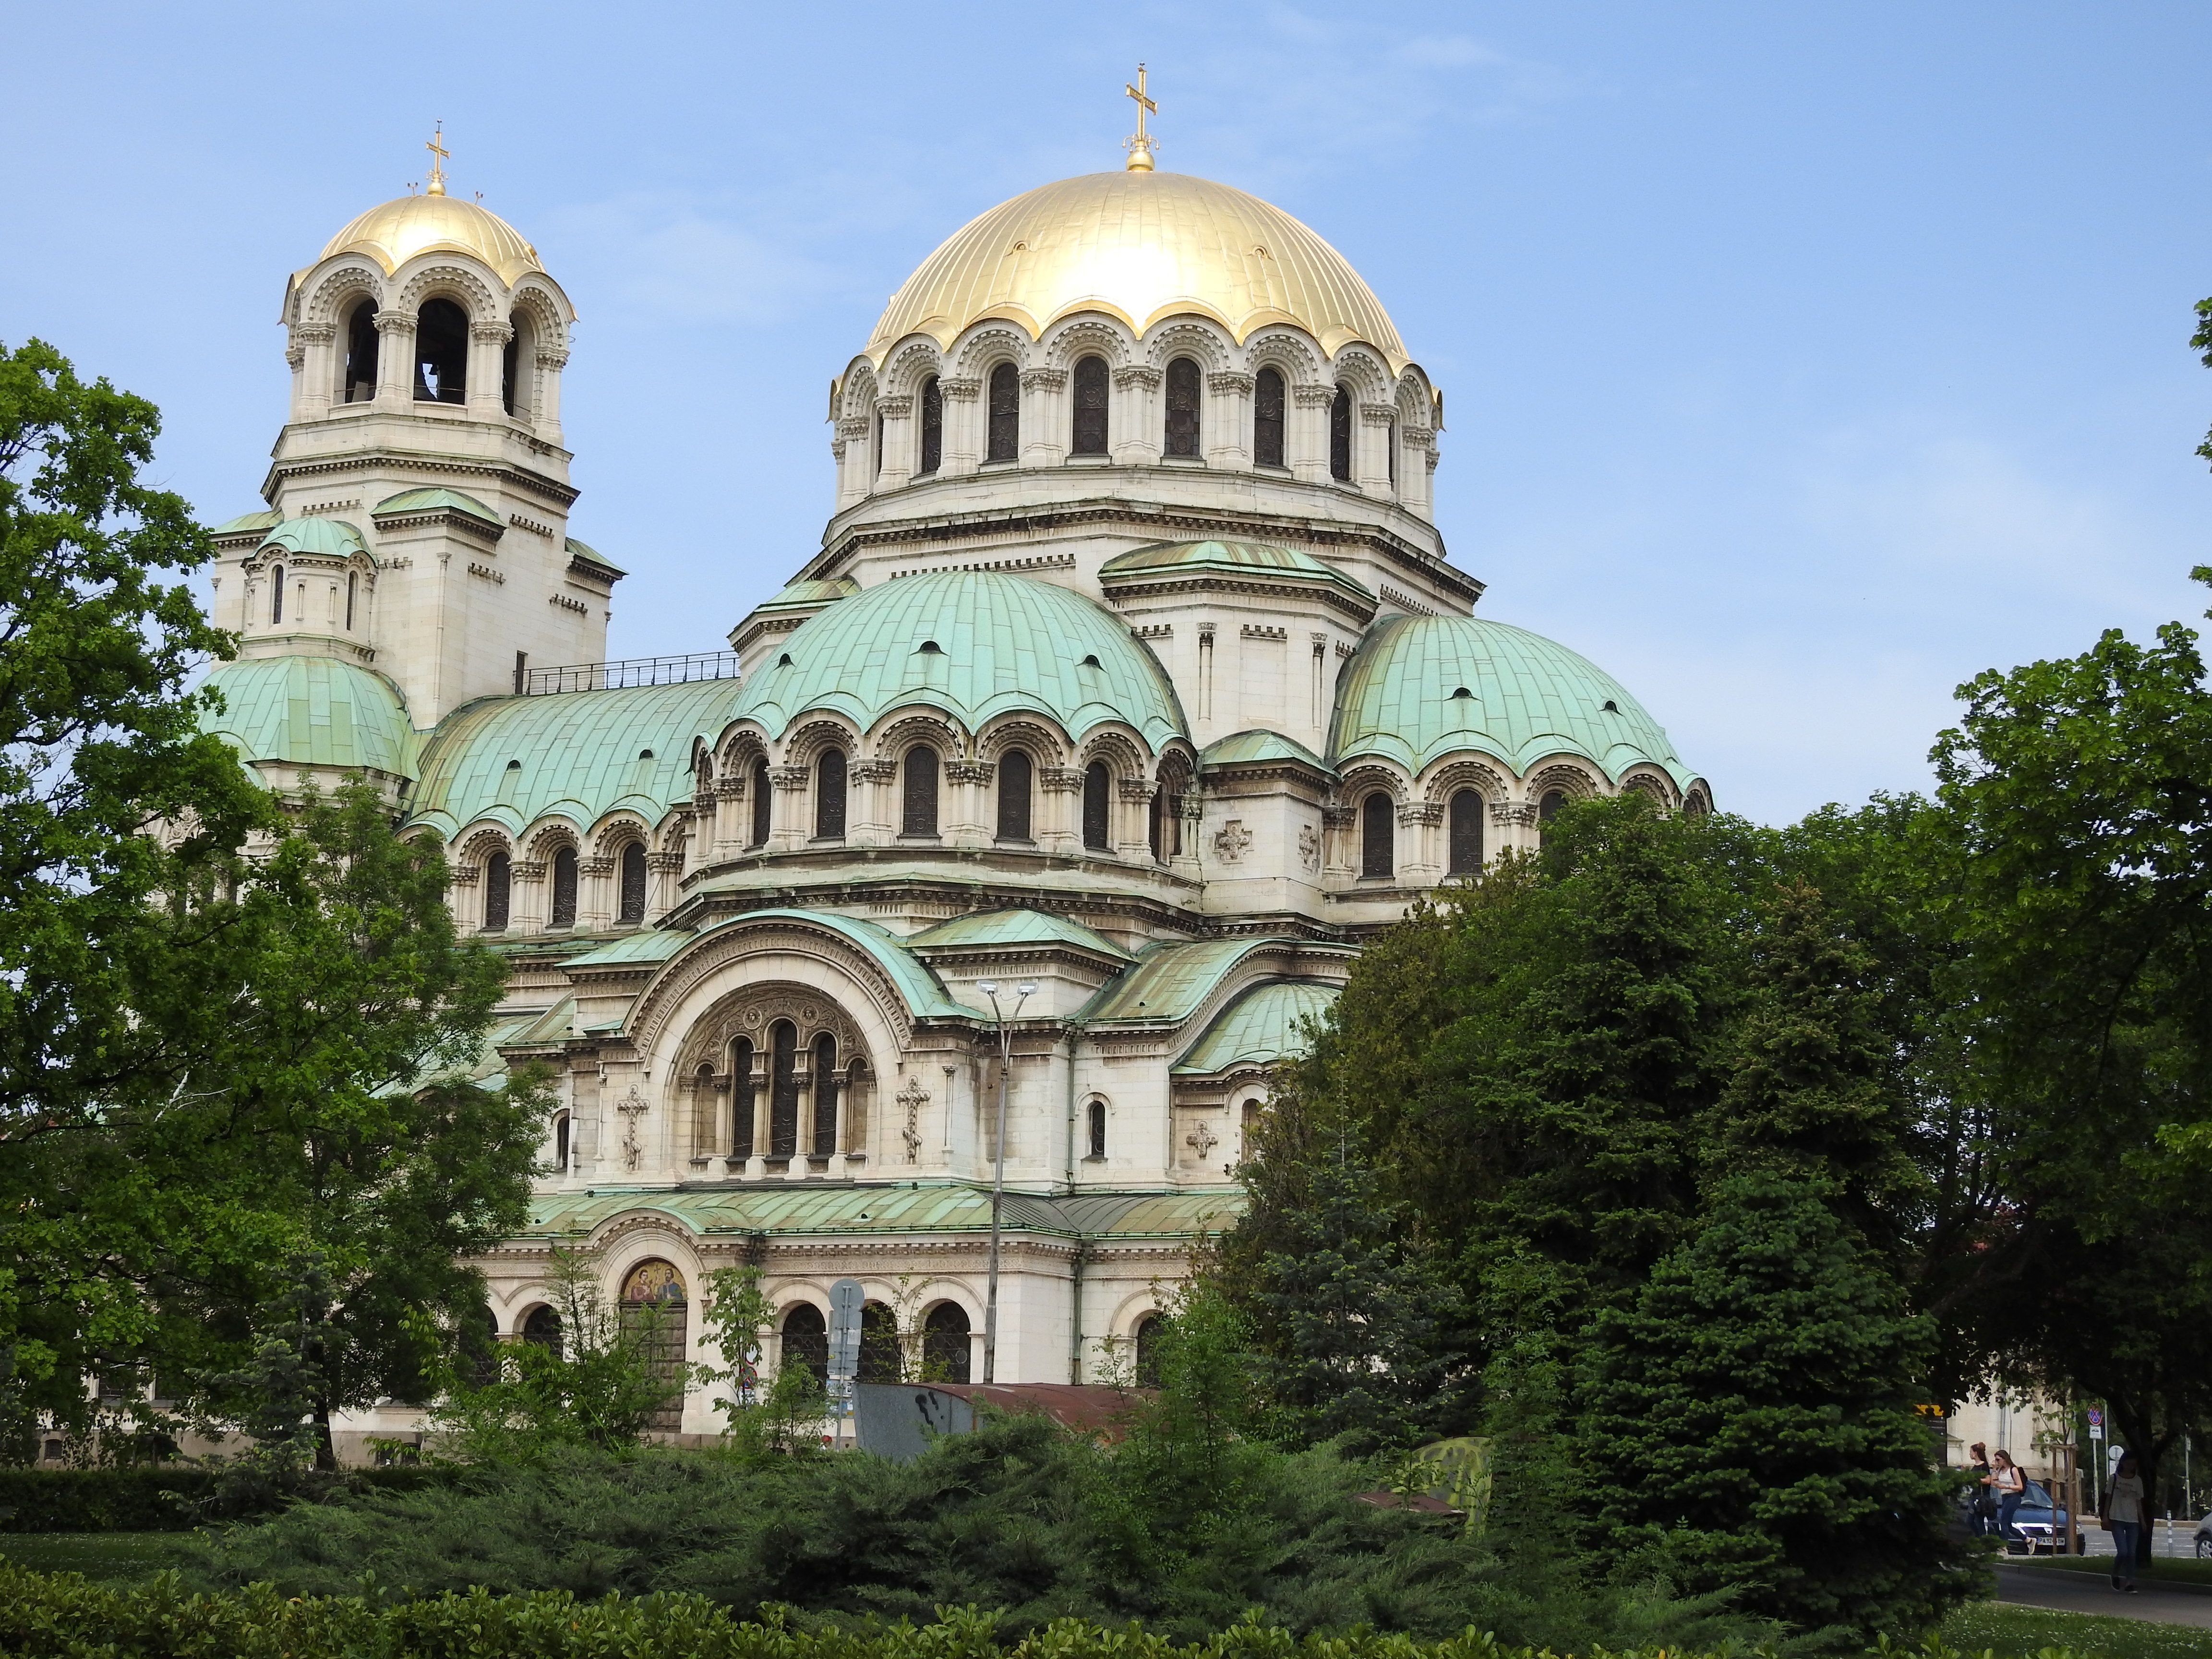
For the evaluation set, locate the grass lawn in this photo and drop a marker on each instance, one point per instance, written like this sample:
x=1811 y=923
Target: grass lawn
x=105 y=1555
x=2026 y=1630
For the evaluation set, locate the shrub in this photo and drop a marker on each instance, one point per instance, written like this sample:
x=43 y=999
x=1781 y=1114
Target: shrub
x=149 y=1498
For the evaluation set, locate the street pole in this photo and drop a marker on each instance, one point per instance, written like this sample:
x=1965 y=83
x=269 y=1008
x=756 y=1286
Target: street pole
x=1022 y=993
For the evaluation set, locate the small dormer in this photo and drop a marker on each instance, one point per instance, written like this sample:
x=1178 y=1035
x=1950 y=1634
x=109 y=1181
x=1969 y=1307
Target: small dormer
x=308 y=588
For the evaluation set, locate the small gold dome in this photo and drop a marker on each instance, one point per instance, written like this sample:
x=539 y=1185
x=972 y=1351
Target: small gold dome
x=1141 y=245
x=395 y=232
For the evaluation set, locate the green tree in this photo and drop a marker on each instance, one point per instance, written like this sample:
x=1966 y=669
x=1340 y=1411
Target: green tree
x=2202 y=341
x=1749 y=1422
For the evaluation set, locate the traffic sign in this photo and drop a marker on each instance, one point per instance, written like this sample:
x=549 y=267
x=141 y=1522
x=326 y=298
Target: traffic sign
x=2096 y=1424
x=845 y=1300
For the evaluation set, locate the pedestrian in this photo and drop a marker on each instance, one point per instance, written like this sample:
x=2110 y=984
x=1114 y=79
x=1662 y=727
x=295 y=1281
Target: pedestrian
x=1982 y=1511
x=2010 y=1486
x=2124 y=1511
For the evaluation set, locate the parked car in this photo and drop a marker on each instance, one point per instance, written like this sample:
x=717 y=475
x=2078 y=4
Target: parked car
x=2039 y=1524
x=2204 y=1536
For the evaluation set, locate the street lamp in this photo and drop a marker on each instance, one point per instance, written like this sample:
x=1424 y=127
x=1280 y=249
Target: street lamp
x=989 y=987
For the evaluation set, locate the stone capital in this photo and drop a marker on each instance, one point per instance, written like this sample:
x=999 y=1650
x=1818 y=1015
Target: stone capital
x=395 y=322
x=551 y=358
x=1043 y=380
x=895 y=408
x=1312 y=396
x=529 y=870
x=969 y=771
x=853 y=426
x=1339 y=817
x=790 y=778
x=1060 y=779
x=1506 y=812
x=669 y=859
x=1421 y=811
x=1378 y=414
x=595 y=867
x=873 y=771
x=963 y=389
x=1137 y=374
x=491 y=333
x=1223 y=382
x=1417 y=437
x=315 y=333
x=1135 y=789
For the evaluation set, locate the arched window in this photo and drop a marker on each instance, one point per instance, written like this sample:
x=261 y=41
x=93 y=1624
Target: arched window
x=1339 y=437
x=442 y=352
x=277 y=595
x=353 y=590
x=1097 y=1128
x=806 y=1342
x=561 y=1143
x=633 y=885
x=878 y=447
x=825 y=1094
x=360 y=386
x=1390 y=453
x=945 y=1343
x=1016 y=777
x=1006 y=433
x=783 y=1090
x=761 y=801
x=741 y=1098
x=1156 y=824
x=496 y=893
x=879 y=1344
x=1182 y=408
x=829 y=795
x=564 y=888
x=520 y=349
x=1375 y=828
x=1090 y=434
x=921 y=780
x=1466 y=848
x=1548 y=808
x=1147 y=1339
x=1094 y=782
x=1268 y=418
x=933 y=426
x=543 y=1327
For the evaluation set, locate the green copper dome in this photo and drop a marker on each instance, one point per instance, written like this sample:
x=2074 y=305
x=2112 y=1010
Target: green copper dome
x=332 y=537
x=312 y=711
x=580 y=754
x=972 y=643
x=1423 y=687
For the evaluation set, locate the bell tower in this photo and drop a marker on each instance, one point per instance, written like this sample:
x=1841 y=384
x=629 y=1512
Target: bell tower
x=418 y=494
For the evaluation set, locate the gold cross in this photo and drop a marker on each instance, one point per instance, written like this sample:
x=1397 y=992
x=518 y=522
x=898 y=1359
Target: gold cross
x=438 y=155
x=1140 y=146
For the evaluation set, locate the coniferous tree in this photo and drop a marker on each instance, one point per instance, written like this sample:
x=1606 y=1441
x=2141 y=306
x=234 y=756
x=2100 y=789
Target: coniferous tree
x=1749 y=1422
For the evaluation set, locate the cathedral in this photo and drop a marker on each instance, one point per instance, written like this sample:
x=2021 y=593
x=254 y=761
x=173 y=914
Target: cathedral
x=1015 y=840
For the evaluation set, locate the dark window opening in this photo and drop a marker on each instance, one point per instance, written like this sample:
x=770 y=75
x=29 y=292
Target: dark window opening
x=878 y=447
x=496 y=893
x=632 y=884
x=1548 y=808
x=760 y=786
x=1173 y=828
x=1097 y=1128
x=879 y=1344
x=1005 y=433
x=353 y=590
x=1016 y=780
x=933 y=426
x=277 y=595
x=1339 y=437
x=829 y=795
x=921 y=814
x=1390 y=454
x=1466 y=833
x=1156 y=824
x=509 y=360
x=944 y=1345
x=1094 y=782
x=1090 y=433
x=543 y=1327
x=561 y=1143
x=1268 y=418
x=806 y=1342
x=783 y=1090
x=1147 y=1337
x=1374 y=832
x=361 y=355
x=741 y=1098
x=564 y=888
x=1182 y=407
x=442 y=352
x=825 y=1094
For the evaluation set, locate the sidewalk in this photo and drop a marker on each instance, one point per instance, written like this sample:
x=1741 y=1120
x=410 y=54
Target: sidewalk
x=2078 y=1592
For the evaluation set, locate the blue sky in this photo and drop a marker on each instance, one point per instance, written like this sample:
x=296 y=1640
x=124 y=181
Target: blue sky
x=1801 y=360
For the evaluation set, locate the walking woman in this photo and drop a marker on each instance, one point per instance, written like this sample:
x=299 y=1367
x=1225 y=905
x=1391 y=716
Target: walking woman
x=2010 y=1486
x=2123 y=1513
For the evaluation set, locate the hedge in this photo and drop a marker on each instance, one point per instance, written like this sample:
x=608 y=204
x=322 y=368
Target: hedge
x=157 y=1498
x=65 y=1617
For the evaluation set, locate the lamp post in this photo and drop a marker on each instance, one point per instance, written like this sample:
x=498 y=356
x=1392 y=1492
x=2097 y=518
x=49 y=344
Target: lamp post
x=989 y=987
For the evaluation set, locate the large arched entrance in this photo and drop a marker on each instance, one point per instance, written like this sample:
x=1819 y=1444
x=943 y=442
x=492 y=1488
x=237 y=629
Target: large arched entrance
x=656 y=1315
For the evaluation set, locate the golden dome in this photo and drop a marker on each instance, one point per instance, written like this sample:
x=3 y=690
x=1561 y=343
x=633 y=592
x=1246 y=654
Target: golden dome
x=408 y=225
x=1141 y=245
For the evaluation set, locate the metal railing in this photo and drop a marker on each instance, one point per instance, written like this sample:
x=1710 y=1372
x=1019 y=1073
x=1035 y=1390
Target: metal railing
x=632 y=671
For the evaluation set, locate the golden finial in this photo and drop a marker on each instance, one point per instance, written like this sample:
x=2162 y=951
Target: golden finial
x=1139 y=144
x=438 y=155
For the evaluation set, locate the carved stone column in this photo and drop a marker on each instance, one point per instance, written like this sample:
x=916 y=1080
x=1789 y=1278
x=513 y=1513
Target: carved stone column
x=895 y=464
x=856 y=467
x=872 y=805
x=395 y=359
x=1420 y=862
x=1515 y=824
x=1226 y=429
x=313 y=372
x=964 y=434
x=487 y=363
x=964 y=816
x=666 y=868
x=1306 y=440
x=1134 y=821
x=794 y=823
x=1060 y=798
x=527 y=897
x=1135 y=419
x=1045 y=431
x=545 y=406
x=1417 y=465
x=595 y=896
x=1370 y=450
x=1339 y=830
